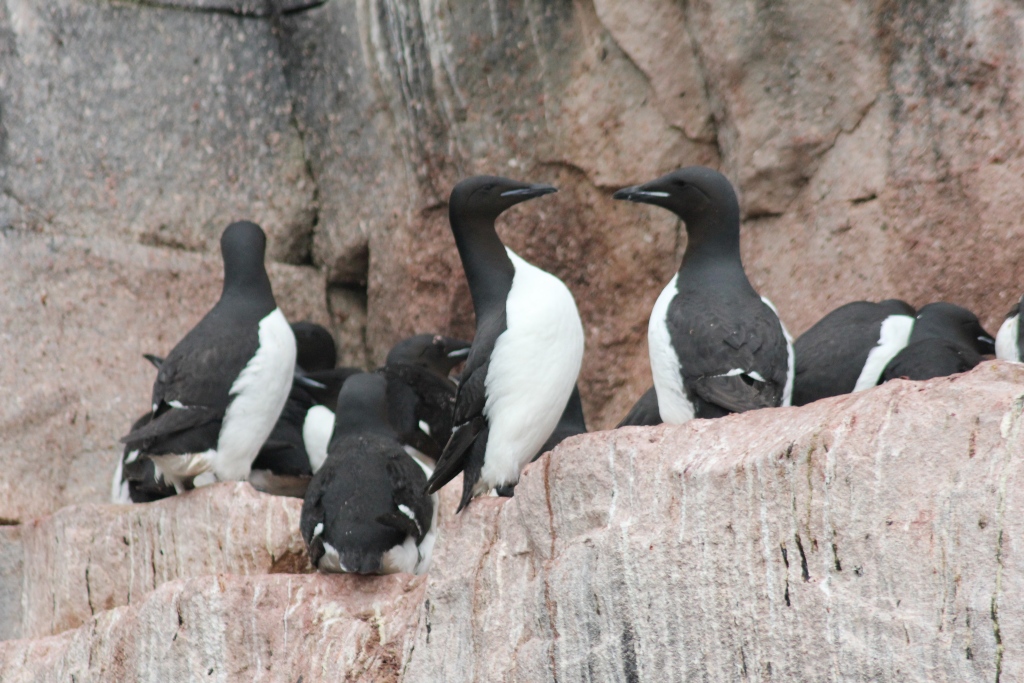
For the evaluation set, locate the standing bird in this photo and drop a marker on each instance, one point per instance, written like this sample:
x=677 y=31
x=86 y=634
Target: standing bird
x=1009 y=342
x=847 y=350
x=946 y=340
x=716 y=347
x=526 y=354
x=421 y=396
x=221 y=389
x=365 y=510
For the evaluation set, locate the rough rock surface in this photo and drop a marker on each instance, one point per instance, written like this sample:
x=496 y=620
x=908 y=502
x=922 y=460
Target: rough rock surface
x=83 y=560
x=869 y=537
x=157 y=126
x=875 y=536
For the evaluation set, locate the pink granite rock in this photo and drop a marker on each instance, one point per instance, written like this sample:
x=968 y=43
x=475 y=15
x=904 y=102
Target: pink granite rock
x=868 y=537
x=85 y=559
x=874 y=536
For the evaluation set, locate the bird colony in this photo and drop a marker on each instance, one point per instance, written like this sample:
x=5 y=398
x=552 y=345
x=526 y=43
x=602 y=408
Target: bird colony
x=247 y=396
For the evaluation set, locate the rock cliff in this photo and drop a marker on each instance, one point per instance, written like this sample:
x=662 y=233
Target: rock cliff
x=877 y=150
x=867 y=537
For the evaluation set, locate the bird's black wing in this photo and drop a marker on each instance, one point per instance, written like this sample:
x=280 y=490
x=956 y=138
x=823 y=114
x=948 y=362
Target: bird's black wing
x=200 y=370
x=736 y=357
x=407 y=484
x=172 y=422
x=468 y=421
x=644 y=412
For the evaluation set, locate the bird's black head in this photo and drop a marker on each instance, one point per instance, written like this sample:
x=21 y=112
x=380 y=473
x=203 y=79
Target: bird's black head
x=954 y=323
x=702 y=197
x=363 y=406
x=431 y=351
x=485 y=197
x=243 y=246
x=315 y=347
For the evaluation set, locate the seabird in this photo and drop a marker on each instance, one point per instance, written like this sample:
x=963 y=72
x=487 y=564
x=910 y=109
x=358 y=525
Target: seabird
x=847 y=350
x=946 y=340
x=526 y=354
x=221 y=389
x=315 y=349
x=1009 y=342
x=366 y=510
x=716 y=347
x=421 y=396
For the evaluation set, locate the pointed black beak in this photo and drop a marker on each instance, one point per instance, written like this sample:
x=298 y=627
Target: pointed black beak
x=638 y=194
x=538 y=190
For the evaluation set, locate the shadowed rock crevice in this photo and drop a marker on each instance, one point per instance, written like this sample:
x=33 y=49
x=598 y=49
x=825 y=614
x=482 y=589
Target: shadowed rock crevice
x=254 y=9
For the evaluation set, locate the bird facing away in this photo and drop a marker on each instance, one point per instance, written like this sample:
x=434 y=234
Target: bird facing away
x=716 y=347
x=525 y=356
x=366 y=510
x=1009 y=342
x=421 y=396
x=221 y=389
x=947 y=339
x=315 y=349
x=847 y=350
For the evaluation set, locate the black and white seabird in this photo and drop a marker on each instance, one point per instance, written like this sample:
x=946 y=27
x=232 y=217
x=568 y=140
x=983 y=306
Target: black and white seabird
x=421 y=396
x=366 y=510
x=1009 y=342
x=220 y=391
x=847 y=350
x=716 y=347
x=946 y=340
x=526 y=354
x=315 y=349
x=644 y=412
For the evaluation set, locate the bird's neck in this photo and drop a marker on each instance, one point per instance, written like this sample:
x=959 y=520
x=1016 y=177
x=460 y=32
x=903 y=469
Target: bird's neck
x=488 y=268
x=712 y=246
x=360 y=419
x=248 y=283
